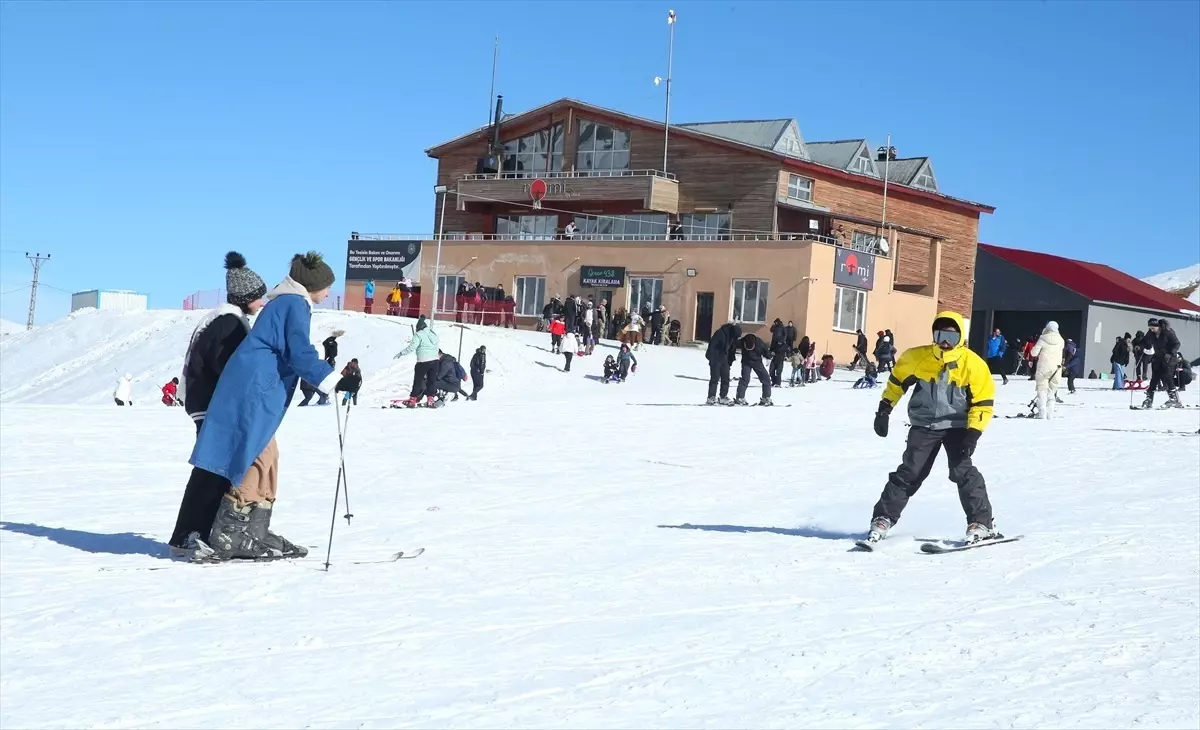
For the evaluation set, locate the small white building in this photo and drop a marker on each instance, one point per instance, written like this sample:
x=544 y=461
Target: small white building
x=119 y=300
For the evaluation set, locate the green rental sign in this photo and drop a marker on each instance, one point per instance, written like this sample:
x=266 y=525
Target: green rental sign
x=598 y=277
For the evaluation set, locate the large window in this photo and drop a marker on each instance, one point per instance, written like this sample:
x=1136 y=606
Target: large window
x=535 y=154
x=750 y=300
x=865 y=242
x=849 y=309
x=702 y=226
x=644 y=293
x=640 y=224
x=601 y=149
x=530 y=295
x=800 y=188
x=448 y=289
x=527 y=227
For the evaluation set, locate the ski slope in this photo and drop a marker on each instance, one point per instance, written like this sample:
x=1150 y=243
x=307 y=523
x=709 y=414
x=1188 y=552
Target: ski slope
x=596 y=556
x=1185 y=282
x=8 y=327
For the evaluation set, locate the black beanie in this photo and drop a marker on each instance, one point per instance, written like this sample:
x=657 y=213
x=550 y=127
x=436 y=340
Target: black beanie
x=311 y=272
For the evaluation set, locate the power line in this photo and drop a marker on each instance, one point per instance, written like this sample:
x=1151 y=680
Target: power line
x=14 y=291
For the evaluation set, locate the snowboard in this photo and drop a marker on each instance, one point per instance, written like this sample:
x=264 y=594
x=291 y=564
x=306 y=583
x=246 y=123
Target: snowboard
x=954 y=546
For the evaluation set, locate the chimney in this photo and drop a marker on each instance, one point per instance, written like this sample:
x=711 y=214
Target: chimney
x=885 y=153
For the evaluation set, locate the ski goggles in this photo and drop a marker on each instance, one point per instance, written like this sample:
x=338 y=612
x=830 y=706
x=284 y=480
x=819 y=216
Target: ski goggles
x=947 y=337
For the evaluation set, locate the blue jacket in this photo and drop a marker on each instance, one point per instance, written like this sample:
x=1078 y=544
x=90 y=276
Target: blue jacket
x=1071 y=356
x=996 y=346
x=258 y=383
x=369 y=290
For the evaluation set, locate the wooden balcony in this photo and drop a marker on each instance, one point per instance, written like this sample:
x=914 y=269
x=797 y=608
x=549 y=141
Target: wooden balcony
x=650 y=189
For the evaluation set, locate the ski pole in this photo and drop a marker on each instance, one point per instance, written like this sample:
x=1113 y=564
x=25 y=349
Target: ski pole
x=342 y=476
x=333 y=520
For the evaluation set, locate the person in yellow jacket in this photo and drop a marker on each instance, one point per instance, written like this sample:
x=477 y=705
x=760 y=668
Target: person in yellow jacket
x=394 y=299
x=951 y=405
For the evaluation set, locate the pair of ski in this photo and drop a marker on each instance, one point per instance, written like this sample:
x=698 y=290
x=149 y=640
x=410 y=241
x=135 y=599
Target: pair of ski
x=939 y=547
x=208 y=562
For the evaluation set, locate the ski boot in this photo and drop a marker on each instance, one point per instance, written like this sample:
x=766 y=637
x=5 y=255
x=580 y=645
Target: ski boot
x=1173 y=401
x=409 y=403
x=194 y=549
x=711 y=401
x=879 y=529
x=740 y=402
x=236 y=535
x=765 y=402
x=726 y=401
x=977 y=531
x=433 y=402
x=1149 y=402
x=279 y=546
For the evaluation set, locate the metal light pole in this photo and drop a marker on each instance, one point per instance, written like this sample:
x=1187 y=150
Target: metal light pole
x=670 y=57
x=445 y=193
x=887 y=158
x=37 y=260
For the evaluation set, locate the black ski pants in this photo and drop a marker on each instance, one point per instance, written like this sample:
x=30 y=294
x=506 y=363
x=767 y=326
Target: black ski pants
x=718 y=374
x=777 y=368
x=425 y=379
x=476 y=383
x=555 y=343
x=568 y=356
x=919 y=454
x=201 y=500
x=1161 y=377
x=996 y=365
x=763 y=377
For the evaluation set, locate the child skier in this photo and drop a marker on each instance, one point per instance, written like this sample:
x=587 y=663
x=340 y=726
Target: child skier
x=626 y=363
x=950 y=407
x=351 y=382
x=425 y=374
x=558 y=328
x=611 y=371
x=568 y=345
x=796 y=360
x=170 y=393
x=237 y=442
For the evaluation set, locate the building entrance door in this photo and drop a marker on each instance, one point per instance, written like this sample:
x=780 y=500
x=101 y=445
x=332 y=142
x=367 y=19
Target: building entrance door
x=704 y=316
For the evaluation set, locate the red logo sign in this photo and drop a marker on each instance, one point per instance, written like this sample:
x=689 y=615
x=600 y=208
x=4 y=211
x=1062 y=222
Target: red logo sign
x=537 y=189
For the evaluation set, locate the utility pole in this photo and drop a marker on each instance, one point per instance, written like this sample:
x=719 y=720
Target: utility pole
x=37 y=259
x=670 y=58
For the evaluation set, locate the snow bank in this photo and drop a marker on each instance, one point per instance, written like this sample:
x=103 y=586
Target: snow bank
x=8 y=327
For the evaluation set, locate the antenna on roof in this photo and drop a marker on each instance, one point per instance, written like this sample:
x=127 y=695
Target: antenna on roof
x=492 y=91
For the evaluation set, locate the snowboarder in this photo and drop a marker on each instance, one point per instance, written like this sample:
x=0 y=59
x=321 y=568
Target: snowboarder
x=626 y=363
x=478 y=368
x=170 y=393
x=351 y=382
x=951 y=406
x=1048 y=351
x=722 y=349
x=123 y=394
x=1161 y=344
x=213 y=342
x=425 y=344
x=236 y=445
x=753 y=352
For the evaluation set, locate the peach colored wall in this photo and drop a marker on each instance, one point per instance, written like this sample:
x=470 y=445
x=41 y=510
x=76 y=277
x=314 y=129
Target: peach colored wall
x=800 y=275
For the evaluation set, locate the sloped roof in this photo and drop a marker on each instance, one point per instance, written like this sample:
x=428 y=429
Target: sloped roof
x=1093 y=281
x=835 y=154
x=903 y=170
x=767 y=134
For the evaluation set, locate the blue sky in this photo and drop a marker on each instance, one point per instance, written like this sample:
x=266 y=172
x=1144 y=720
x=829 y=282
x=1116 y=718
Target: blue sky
x=140 y=141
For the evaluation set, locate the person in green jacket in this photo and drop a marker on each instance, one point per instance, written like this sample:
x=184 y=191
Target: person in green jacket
x=425 y=344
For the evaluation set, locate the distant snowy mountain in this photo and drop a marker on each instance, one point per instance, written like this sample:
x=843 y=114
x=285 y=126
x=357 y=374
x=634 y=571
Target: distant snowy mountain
x=8 y=327
x=1185 y=282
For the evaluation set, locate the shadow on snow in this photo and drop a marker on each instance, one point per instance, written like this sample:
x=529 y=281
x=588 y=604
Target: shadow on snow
x=118 y=543
x=815 y=532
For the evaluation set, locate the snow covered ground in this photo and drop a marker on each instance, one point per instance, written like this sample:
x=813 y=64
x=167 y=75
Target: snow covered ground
x=597 y=556
x=8 y=327
x=1183 y=281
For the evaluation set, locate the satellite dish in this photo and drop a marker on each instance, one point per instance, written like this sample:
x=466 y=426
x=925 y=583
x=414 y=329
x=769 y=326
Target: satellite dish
x=883 y=246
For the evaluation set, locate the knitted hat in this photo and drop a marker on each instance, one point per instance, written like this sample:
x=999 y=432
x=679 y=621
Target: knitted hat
x=421 y=323
x=242 y=285
x=310 y=272
x=1052 y=326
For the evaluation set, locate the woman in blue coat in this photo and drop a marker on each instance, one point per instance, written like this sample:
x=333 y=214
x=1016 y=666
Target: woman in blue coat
x=236 y=445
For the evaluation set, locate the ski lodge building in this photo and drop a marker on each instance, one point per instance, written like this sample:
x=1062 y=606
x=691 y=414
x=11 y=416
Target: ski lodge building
x=742 y=220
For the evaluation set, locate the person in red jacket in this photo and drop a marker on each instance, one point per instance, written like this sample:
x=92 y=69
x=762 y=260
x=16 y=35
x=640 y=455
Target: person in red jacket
x=558 y=328
x=170 y=391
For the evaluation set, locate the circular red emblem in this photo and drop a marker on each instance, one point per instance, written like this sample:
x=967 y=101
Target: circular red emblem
x=852 y=264
x=537 y=189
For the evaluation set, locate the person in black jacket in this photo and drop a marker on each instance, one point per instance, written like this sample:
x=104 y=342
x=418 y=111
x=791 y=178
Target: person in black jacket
x=331 y=348
x=753 y=352
x=779 y=351
x=722 y=348
x=1163 y=341
x=860 y=350
x=789 y=336
x=1120 y=361
x=804 y=347
x=478 y=368
x=350 y=383
x=657 y=319
x=1139 y=357
x=212 y=344
x=570 y=312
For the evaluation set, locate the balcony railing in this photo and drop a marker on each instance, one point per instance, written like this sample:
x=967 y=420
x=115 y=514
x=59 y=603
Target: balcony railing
x=568 y=174
x=560 y=237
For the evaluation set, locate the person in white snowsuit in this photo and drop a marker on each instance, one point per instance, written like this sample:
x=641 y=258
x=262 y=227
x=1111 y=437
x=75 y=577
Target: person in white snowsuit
x=123 y=395
x=570 y=346
x=1049 y=353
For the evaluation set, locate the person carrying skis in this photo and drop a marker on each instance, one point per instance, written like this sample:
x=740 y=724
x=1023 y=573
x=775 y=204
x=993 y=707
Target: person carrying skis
x=478 y=368
x=1161 y=344
x=213 y=342
x=753 y=352
x=170 y=393
x=1048 y=352
x=860 y=350
x=996 y=348
x=722 y=349
x=626 y=363
x=123 y=393
x=950 y=407
x=237 y=445
x=425 y=374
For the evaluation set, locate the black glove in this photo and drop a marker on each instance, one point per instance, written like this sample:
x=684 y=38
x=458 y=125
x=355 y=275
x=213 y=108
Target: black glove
x=969 y=442
x=881 y=419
